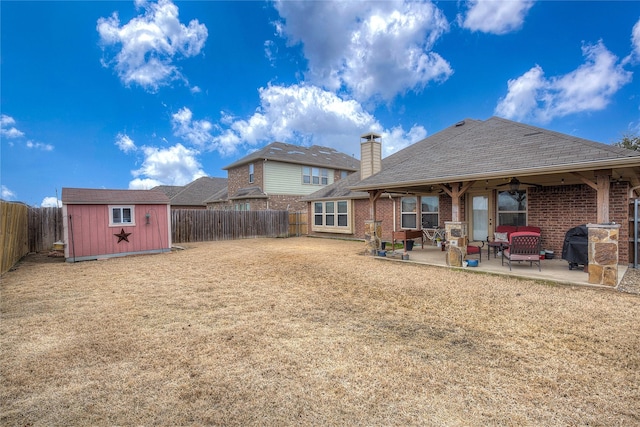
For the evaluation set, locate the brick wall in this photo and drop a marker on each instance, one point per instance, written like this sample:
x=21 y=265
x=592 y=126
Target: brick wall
x=554 y=209
x=557 y=209
x=238 y=177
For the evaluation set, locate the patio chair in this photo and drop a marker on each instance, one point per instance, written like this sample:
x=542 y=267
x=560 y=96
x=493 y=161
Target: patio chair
x=523 y=246
x=474 y=249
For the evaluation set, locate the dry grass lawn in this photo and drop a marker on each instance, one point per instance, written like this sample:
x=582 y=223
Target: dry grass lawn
x=307 y=331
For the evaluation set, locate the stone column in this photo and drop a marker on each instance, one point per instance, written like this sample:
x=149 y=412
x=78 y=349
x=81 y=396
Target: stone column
x=603 y=254
x=372 y=236
x=456 y=233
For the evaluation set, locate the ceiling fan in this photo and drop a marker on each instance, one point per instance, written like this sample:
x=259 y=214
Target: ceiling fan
x=514 y=185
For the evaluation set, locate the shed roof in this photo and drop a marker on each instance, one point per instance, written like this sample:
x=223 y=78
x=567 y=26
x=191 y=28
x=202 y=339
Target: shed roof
x=92 y=196
x=312 y=156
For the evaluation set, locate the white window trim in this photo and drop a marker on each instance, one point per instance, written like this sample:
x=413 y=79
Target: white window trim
x=321 y=174
x=122 y=224
x=498 y=211
x=348 y=229
x=414 y=213
x=436 y=213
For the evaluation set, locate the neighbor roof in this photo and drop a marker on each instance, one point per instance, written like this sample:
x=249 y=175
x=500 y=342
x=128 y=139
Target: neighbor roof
x=198 y=191
x=169 y=190
x=473 y=149
x=312 y=156
x=103 y=197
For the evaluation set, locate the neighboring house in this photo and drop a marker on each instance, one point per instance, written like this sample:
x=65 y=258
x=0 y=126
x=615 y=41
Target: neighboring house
x=279 y=175
x=195 y=194
x=113 y=223
x=485 y=173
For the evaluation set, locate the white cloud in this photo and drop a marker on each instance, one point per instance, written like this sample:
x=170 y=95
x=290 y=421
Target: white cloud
x=39 y=146
x=396 y=139
x=196 y=132
x=176 y=165
x=51 y=202
x=150 y=42
x=7 y=130
x=6 y=193
x=588 y=88
x=125 y=143
x=308 y=115
x=495 y=16
x=371 y=49
x=635 y=39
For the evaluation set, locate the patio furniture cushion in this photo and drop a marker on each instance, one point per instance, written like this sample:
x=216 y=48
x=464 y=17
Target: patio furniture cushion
x=475 y=248
x=523 y=246
x=501 y=237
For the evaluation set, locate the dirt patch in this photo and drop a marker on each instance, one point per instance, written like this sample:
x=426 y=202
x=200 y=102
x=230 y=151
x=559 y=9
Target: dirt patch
x=308 y=331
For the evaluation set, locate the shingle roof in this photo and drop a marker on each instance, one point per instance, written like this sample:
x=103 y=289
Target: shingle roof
x=249 y=193
x=472 y=149
x=169 y=190
x=103 y=197
x=312 y=156
x=198 y=191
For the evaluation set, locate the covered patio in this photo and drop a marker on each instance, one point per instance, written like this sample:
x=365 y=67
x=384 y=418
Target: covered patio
x=554 y=270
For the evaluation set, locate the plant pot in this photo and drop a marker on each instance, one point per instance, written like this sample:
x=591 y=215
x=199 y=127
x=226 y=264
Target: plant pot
x=383 y=245
x=408 y=244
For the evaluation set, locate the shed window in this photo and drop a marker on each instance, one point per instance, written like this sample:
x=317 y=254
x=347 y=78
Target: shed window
x=121 y=215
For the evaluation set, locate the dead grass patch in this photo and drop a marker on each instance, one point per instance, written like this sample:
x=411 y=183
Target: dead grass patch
x=307 y=331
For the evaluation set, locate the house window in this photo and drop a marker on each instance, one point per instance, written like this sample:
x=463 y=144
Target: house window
x=121 y=215
x=331 y=216
x=242 y=207
x=430 y=208
x=409 y=212
x=343 y=174
x=317 y=176
x=250 y=172
x=512 y=208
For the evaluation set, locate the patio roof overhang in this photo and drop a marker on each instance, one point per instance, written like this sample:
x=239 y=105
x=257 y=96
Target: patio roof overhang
x=627 y=169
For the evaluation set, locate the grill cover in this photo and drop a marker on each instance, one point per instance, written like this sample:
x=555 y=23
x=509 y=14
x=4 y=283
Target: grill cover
x=576 y=243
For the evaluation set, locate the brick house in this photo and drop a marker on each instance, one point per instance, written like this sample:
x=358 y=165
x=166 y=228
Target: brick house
x=484 y=173
x=279 y=175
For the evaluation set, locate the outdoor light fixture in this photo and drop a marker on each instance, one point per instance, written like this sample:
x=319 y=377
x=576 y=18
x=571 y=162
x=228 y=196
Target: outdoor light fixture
x=514 y=184
x=148 y=217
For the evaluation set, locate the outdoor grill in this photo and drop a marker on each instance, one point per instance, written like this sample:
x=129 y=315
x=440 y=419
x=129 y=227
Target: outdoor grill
x=575 y=248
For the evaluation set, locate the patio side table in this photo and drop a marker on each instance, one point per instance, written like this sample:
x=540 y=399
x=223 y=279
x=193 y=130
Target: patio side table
x=497 y=246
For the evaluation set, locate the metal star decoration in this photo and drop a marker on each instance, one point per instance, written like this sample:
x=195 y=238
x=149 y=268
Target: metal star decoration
x=122 y=236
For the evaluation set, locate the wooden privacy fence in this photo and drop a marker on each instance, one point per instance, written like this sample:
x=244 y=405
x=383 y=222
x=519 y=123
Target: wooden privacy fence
x=13 y=234
x=208 y=225
x=297 y=223
x=45 y=228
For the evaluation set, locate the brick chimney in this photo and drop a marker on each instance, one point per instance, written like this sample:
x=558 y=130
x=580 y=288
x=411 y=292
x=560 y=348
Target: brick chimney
x=370 y=154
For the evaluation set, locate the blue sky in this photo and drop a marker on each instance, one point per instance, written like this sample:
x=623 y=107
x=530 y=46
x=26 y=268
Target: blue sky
x=126 y=94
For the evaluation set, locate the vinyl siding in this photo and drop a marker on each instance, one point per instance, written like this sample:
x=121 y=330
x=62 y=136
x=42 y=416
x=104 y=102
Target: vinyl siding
x=286 y=178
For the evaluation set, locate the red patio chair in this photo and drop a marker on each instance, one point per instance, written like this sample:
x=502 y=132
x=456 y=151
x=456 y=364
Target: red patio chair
x=523 y=246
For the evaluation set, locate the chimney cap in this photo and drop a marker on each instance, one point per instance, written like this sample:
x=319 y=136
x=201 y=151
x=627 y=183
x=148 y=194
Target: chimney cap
x=370 y=136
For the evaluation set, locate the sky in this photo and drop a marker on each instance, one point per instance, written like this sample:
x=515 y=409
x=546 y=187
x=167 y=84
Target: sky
x=134 y=94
